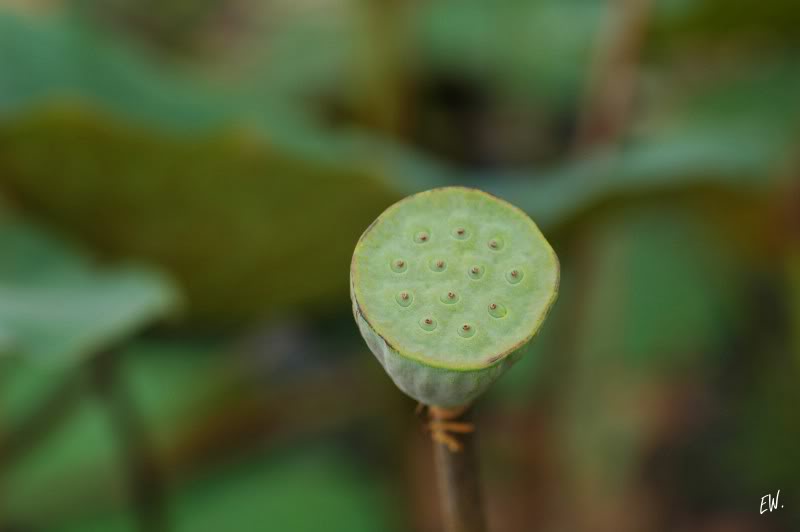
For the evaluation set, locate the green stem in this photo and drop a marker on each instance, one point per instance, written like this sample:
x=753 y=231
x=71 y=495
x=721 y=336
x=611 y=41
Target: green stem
x=144 y=476
x=45 y=417
x=458 y=479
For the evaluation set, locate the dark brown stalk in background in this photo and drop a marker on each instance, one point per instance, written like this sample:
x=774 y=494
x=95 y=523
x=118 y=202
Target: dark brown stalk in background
x=457 y=469
x=611 y=88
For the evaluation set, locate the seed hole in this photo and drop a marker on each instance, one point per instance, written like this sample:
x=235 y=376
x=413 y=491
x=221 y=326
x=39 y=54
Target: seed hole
x=449 y=298
x=460 y=233
x=514 y=276
x=404 y=298
x=399 y=266
x=497 y=310
x=438 y=265
x=476 y=272
x=427 y=324
x=466 y=330
x=422 y=237
x=496 y=243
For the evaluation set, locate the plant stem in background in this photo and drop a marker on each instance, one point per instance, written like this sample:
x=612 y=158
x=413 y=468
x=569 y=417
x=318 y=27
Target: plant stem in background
x=613 y=75
x=457 y=470
x=144 y=479
x=45 y=418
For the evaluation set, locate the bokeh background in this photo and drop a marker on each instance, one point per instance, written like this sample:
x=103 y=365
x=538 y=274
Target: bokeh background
x=181 y=187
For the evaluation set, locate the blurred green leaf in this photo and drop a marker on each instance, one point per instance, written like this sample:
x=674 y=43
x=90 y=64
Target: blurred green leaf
x=307 y=489
x=24 y=386
x=45 y=58
x=246 y=229
x=670 y=278
x=731 y=135
x=57 y=308
x=708 y=23
x=664 y=287
x=101 y=521
x=516 y=47
x=74 y=471
x=266 y=161
x=174 y=386
x=766 y=426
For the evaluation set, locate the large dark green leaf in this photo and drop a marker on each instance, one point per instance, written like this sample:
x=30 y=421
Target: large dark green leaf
x=285 y=176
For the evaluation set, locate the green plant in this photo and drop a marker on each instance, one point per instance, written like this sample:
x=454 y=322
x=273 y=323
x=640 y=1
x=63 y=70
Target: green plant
x=448 y=287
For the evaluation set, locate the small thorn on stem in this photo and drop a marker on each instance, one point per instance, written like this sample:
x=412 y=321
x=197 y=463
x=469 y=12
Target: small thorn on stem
x=444 y=427
x=514 y=273
x=451 y=295
x=493 y=306
x=428 y=321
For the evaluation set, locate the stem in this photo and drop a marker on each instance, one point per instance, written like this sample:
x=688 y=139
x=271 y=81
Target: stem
x=144 y=478
x=457 y=474
x=46 y=416
x=613 y=75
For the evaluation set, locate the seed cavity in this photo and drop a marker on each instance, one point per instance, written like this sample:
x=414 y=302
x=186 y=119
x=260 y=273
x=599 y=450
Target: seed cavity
x=514 y=276
x=438 y=265
x=428 y=324
x=476 y=272
x=497 y=310
x=466 y=330
x=399 y=266
x=422 y=237
x=404 y=298
x=496 y=243
x=460 y=233
x=449 y=298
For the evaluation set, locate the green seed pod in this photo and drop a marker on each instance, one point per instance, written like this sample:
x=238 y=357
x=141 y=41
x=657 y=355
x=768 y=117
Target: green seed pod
x=448 y=287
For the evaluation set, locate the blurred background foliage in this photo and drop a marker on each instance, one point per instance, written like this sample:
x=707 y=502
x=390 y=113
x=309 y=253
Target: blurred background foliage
x=181 y=187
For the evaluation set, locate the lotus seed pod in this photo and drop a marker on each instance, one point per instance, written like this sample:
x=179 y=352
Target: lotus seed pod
x=448 y=287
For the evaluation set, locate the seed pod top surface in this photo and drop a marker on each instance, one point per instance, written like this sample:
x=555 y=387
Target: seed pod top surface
x=453 y=278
